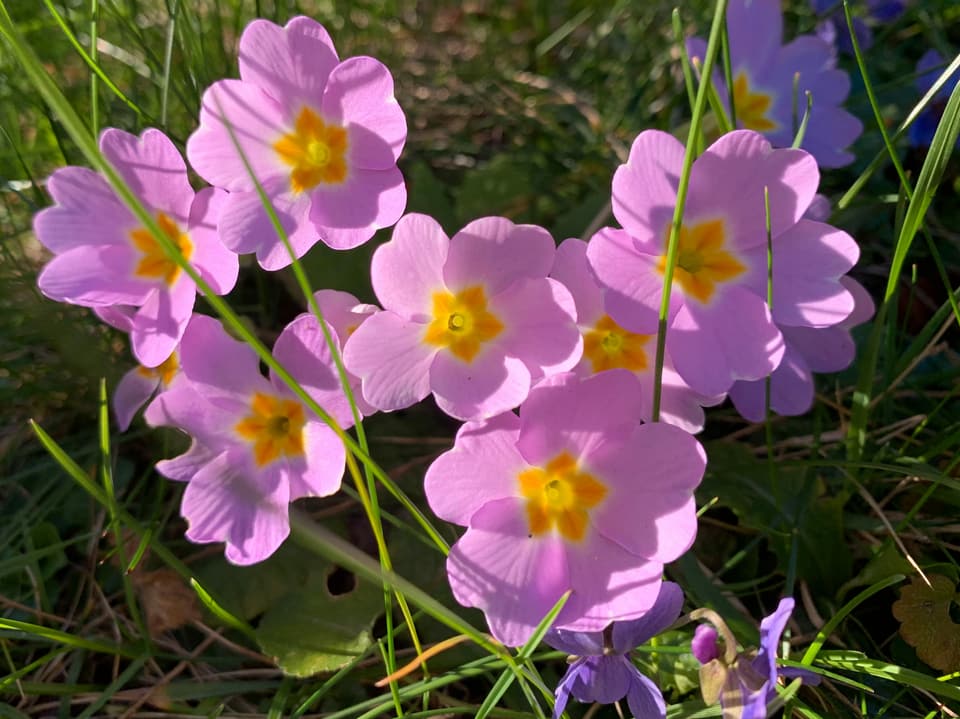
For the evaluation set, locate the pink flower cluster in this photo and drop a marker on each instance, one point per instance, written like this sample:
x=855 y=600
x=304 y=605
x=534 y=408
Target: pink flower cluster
x=579 y=491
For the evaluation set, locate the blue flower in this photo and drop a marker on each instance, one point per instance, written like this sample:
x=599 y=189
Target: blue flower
x=929 y=67
x=602 y=672
x=744 y=683
x=833 y=27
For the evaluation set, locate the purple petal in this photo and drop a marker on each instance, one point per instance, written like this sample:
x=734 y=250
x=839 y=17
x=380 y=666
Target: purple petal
x=482 y=466
x=728 y=181
x=325 y=460
x=578 y=644
x=645 y=188
x=540 y=327
x=218 y=366
x=565 y=686
x=217 y=265
x=227 y=502
x=117 y=316
x=494 y=252
x=408 y=270
x=664 y=612
x=704 y=645
x=257 y=122
x=161 y=322
x=210 y=424
x=824 y=349
x=342 y=311
x=152 y=168
x=302 y=349
x=863 y=307
x=359 y=96
x=755 y=28
x=791 y=389
x=573 y=414
x=650 y=476
x=131 y=393
x=808 y=261
x=393 y=362
x=771 y=628
x=185 y=466
x=645 y=698
x=94 y=276
x=570 y=267
x=735 y=339
x=86 y=213
x=245 y=225
x=347 y=215
x=632 y=285
x=513 y=578
x=609 y=584
x=488 y=385
x=604 y=680
x=291 y=63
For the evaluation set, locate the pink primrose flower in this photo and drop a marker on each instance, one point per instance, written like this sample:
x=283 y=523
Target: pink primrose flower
x=770 y=82
x=105 y=258
x=473 y=319
x=574 y=494
x=256 y=446
x=720 y=327
x=140 y=384
x=345 y=313
x=809 y=350
x=322 y=137
x=607 y=345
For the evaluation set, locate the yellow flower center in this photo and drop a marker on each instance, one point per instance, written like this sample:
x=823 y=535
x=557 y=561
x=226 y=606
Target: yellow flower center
x=751 y=107
x=154 y=264
x=702 y=261
x=274 y=426
x=559 y=496
x=165 y=371
x=315 y=151
x=462 y=323
x=608 y=346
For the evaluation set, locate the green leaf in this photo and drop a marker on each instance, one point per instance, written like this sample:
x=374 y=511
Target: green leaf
x=925 y=623
x=313 y=630
x=247 y=592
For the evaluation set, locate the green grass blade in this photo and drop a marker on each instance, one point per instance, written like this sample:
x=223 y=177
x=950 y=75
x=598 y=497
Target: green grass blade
x=673 y=244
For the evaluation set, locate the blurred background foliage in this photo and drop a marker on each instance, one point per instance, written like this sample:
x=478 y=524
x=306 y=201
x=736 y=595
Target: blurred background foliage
x=522 y=108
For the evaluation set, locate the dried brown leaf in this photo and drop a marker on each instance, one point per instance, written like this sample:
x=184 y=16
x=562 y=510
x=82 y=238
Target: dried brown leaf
x=167 y=601
x=925 y=622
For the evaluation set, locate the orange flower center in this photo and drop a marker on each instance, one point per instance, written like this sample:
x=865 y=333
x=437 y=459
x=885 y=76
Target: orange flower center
x=461 y=322
x=608 y=346
x=274 y=426
x=165 y=371
x=702 y=261
x=559 y=496
x=154 y=264
x=752 y=107
x=315 y=151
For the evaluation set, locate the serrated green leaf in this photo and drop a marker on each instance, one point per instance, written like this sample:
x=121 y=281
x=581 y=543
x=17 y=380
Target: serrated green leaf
x=925 y=623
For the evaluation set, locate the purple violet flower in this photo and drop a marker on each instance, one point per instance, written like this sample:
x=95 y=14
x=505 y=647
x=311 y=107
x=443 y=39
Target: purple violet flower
x=744 y=683
x=602 y=671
